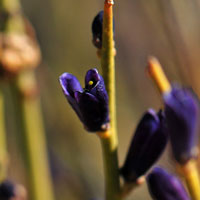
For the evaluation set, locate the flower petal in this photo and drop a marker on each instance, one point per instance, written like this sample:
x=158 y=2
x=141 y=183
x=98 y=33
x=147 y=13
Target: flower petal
x=91 y=111
x=146 y=147
x=182 y=115
x=92 y=78
x=70 y=84
x=165 y=186
x=98 y=89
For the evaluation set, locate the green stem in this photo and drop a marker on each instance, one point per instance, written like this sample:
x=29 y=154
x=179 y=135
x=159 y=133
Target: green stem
x=110 y=144
x=3 y=145
x=32 y=133
x=110 y=170
x=13 y=22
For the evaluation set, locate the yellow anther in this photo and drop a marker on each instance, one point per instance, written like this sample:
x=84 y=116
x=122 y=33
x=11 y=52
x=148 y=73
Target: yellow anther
x=90 y=82
x=156 y=72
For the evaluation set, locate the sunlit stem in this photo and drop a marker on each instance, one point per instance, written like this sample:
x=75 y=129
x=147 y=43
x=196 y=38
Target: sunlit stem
x=3 y=145
x=157 y=74
x=108 y=63
x=191 y=176
x=27 y=105
x=110 y=143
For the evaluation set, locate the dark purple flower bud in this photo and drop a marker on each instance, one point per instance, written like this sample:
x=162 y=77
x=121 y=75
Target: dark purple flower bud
x=182 y=116
x=7 y=190
x=164 y=186
x=97 y=29
x=90 y=103
x=146 y=147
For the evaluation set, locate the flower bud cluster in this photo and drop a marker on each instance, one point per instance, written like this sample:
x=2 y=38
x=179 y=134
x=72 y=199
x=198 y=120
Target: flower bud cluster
x=179 y=120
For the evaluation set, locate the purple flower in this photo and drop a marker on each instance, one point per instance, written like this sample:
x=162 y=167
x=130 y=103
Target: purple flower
x=90 y=103
x=146 y=147
x=97 y=29
x=182 y=116
x=164 y=186
x=7 y=190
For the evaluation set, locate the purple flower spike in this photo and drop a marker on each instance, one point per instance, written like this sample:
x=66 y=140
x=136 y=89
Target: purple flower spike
x=91 y=103
x=146 y=147
x=97 y=29
x=164 y=186
x=182 y=116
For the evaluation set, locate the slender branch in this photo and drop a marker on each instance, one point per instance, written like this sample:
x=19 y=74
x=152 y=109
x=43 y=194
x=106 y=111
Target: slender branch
x=110 y=170
x=156 y=72
x=3 y=145
x=190 y=172
x=108 y=64
x=28 y=112
x=110 y=143
x=32 y=133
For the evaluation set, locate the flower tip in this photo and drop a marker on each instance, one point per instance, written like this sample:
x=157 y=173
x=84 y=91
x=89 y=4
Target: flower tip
x=63 y=76
x=156 y=72
x=163 y=185
x=152 y=64
x=94 y=70
x=92 y=78
x=63 y=81
x=153 y=114
x=152 y=59
x=151 y=111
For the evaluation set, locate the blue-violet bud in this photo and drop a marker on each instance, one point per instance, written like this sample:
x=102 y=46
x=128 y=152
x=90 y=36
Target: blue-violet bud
x=90 y=103
x=147 y=145
x=164 y=186
x=182 y=116
x=97 y=29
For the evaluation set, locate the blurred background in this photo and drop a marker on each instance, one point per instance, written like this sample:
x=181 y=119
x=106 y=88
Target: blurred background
x=167 y=29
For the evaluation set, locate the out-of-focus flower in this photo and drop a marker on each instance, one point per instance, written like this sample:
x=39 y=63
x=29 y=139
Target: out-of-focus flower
x=11 y=191
x=7 y=190
x=164 y=186
x=97 y=29
x=18 y=51
x=90 y=103
x=182 y=116
x=146 y=147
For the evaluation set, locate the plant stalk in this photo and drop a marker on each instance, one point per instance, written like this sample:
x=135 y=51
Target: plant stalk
x=191 y=176
x=3 y=145
x=110 y=144
x=34 y=145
